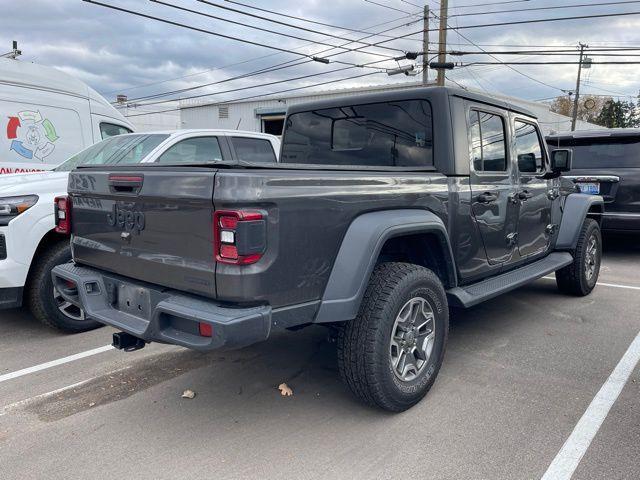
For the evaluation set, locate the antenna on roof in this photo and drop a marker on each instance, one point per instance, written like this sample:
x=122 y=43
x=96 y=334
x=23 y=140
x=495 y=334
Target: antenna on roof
x=14 y=53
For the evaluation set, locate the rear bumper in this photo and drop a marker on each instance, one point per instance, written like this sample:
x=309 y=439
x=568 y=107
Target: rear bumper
x=163 y=315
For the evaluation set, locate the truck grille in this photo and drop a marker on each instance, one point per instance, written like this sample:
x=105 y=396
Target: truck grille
x=3 y=248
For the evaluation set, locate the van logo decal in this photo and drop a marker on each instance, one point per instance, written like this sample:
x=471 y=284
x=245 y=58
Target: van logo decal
x=31 y=135
x=128 y=219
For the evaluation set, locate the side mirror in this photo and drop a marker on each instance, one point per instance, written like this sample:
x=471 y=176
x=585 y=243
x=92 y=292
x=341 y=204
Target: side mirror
x=561 y=160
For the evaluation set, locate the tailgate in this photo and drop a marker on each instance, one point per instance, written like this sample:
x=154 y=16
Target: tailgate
x=150 y=224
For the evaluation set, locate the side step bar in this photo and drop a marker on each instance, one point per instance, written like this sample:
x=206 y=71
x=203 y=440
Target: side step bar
x=470 y=295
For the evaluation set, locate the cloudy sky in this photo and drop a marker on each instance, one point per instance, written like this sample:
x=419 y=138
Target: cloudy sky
x=118 y=52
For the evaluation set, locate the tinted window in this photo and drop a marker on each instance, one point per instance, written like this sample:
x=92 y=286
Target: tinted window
x=487 y=142
x=528 y=150
x=393 y=134
x=193 y=151
x=128 y=149
x=619 y=152
x=110 y=130
x=253 y=149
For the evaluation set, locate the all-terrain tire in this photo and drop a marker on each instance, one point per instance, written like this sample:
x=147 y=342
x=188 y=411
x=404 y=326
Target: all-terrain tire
x=364 y=356
x=39 y=294
x=575 y=279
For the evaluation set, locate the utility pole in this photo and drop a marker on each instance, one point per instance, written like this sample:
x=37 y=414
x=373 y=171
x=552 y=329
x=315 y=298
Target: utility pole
x=425 y=47
x=577 y=97
x=442 y=39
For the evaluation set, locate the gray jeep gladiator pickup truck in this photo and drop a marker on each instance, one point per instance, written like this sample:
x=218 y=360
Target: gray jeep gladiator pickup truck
x=385 y=210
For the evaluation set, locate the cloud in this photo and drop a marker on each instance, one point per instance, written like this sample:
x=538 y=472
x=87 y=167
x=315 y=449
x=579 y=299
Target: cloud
x=118 y=52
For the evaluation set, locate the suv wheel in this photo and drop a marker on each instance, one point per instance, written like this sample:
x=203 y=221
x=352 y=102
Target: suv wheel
x=390 y=354
x=581 y=276
x=45 y=302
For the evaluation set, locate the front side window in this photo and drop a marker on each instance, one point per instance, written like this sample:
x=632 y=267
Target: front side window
x=389 y=134
x=197 y=150
x=111 y=130
x=254 y=150
x=528 y=149
x=487 y=146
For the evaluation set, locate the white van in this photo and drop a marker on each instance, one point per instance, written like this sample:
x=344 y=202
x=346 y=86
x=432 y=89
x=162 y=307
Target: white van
x=46 y=116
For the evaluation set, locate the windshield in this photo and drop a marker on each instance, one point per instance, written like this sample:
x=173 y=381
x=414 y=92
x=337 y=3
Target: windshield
x=122 y=149
x=606 y=152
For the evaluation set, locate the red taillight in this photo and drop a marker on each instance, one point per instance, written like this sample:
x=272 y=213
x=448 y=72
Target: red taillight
x=234 y=243
x=62 y=209
x=205 y=329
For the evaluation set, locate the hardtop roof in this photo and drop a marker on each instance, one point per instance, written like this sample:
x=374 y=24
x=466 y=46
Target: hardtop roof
x=409 y=94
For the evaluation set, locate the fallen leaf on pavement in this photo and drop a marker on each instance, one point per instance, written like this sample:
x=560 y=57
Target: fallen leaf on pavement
x=188 y=394
x=285 y=391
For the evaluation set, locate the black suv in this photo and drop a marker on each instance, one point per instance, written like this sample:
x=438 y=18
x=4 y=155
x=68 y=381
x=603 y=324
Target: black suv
x=607 y=163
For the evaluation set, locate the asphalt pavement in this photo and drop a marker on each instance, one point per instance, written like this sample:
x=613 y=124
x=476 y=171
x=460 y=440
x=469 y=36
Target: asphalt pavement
x=520 y=375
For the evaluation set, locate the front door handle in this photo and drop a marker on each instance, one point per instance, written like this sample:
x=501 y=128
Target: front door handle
x=487 y=197
x=525 y=195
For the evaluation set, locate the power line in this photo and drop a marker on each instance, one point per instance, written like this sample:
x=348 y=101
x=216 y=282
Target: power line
x=260 y=95
x=554 y=7
x=272 y=55
x=547 y=63
x=280 y=66
x=275 y=32
x=238 y=89
x=302 y=19
x=490 y=3
x=544 y=20
x=202 y=30
x=509 y=66
x=387 y=6
x=290 y=25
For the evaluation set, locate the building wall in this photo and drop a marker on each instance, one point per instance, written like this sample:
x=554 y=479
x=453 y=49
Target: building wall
x=146 y=119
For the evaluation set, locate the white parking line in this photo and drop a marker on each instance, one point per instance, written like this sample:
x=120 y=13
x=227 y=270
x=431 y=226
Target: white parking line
x=53 y=363
x=602 y=284
x=568 y=459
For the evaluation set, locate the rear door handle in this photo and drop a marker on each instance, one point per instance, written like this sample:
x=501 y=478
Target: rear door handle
x=524 y=195
x=487 y=197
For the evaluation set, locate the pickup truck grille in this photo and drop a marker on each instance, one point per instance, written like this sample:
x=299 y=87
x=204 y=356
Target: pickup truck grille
x=3 y=248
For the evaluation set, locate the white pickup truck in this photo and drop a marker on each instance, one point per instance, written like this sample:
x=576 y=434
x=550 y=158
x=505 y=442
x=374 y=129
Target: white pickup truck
x=29 y=245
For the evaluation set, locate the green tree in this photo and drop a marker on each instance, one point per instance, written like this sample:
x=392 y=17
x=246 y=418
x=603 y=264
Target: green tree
x=619 y=114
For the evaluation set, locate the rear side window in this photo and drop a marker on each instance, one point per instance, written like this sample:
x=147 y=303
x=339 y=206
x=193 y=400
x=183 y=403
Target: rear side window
x=255 y=150
x=487 y=142
x=111 y=130
x=528 y=149
x=389 y=134
x=192 y=151
x=606 y=152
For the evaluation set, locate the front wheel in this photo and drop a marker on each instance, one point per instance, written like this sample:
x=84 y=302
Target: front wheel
x=580 y=277
x=45 y=303
x=390 y=354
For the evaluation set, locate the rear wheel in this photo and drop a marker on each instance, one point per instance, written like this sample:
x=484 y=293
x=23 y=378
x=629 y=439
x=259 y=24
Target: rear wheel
x=390 y=355
x=44 y=301
x=580 y=277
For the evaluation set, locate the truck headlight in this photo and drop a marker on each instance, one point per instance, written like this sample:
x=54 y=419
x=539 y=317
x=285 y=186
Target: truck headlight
x=14 y=206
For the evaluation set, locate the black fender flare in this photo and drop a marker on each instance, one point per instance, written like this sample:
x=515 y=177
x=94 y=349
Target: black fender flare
x=359 y=253
x=576 y=208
